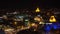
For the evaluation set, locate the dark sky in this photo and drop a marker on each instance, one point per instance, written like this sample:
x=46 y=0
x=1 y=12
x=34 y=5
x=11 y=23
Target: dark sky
x=28 y=3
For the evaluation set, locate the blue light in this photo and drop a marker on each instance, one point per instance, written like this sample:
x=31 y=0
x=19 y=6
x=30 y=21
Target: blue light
x=55 y=26
x=47 y=28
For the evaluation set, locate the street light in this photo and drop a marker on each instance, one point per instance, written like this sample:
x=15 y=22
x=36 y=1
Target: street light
x=37 y=10
x=52 y=19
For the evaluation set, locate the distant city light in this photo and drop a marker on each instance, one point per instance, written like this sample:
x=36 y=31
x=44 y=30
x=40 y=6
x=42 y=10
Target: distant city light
x=9 y=29
x=26 y=20
x=22 y=19
x=14 y=12
x=4 y=16
x=33 y=24
x=52 y=19
x=20 y=16
x=15 y=23
x=44 y=23
x=37 y=18
x=47 y=28
x=54 y=25
x=37 y=10
x=41 y=23
x=48 y=23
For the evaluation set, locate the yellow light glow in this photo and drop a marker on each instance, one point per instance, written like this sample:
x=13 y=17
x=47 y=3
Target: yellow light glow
x=41 y=23
x=33 y=24
x=37 y=19
x=52 y=19
x=9 y=29
x=15 y=23
x=37 y=10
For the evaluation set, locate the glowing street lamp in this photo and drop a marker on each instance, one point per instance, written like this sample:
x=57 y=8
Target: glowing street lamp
x=37 y=10
x=52 y=19
x=15 y=23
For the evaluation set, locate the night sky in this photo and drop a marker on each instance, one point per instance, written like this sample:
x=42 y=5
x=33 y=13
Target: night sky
x=29 y=4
